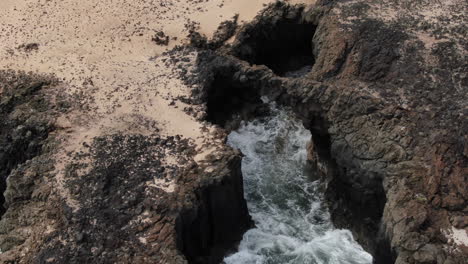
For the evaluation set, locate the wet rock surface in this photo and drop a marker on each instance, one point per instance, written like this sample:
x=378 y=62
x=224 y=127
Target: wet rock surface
x=123 y=197
x=217 y=217
x=394 y=156
x=384 y=96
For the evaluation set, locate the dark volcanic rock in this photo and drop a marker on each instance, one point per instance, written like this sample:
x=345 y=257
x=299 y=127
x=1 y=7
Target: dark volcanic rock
x=281 y=39
x=161 y=39
x=386 y=104
x=216 y=219
x=225 y=31
x=26 y=120
x=119 y=216
x=120 y=200
x=128 y=205
x=385 y=100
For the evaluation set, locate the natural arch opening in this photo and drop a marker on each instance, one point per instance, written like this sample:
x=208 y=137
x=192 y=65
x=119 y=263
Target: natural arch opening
x=283 y=44
x=356 y=197
x=230 y=100
x=282 y=41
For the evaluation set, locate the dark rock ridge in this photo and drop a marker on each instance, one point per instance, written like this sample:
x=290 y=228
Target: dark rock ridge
x=217 y=216
x=284 y=44
x=121 y=202
x=384 y=96
x=387 y=110
x=204 y=217
x=26 y=120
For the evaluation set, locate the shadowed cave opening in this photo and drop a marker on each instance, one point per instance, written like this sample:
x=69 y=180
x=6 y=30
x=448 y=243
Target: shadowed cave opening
x=232 y=97
x=285 y=46
x=287 y=49
x=215 y=226
x=231 y=100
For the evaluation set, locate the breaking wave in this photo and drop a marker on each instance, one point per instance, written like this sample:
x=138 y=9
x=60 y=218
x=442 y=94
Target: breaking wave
x=285 y=199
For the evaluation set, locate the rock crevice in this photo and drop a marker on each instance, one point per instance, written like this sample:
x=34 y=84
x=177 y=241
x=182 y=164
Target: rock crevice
x=374 y=136
x=383 y=95
x=214 y=224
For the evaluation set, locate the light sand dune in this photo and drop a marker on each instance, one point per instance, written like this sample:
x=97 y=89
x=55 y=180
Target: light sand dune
x=96 y=47
x=104 y=50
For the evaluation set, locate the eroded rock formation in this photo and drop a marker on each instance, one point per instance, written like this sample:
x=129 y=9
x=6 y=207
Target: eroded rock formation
x=381 y=85
x=386 y=103
x=112 y=213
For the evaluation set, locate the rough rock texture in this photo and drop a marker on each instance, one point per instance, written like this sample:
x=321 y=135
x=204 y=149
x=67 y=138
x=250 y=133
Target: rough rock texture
x=382 y=85
x=26 y=115
x=386 y=102
x=214 y=217
x=395 y=104
x=123 y=198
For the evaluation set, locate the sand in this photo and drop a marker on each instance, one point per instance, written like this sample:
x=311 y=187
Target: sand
x=104 y=51
x=458 y=236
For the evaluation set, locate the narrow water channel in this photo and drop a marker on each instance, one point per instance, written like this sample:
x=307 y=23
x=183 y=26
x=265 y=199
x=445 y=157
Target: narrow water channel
x=285 y=199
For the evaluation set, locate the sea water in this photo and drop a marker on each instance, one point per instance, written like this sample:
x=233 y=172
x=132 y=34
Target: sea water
x=285 y=199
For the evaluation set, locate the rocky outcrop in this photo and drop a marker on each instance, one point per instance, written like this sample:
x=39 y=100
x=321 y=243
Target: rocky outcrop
x=386 y=124
x=384 y=96
x=26 y=118
x=216 y=218
x=386 y=103
x=123 y=197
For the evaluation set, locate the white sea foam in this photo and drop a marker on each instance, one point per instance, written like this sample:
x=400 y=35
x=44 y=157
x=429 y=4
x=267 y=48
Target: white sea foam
x=292 y=223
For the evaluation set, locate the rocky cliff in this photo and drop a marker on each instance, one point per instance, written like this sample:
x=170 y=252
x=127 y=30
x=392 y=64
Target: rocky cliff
x=382 y=86
x=115 y=173
x=119 y=199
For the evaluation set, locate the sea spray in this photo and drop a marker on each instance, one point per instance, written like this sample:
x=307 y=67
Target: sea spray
x=285 y=199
